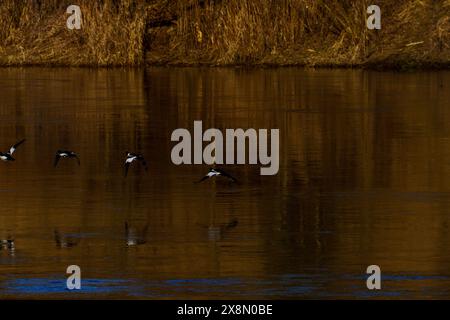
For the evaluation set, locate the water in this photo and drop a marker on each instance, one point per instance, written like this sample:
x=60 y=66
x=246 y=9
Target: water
x=364 y=179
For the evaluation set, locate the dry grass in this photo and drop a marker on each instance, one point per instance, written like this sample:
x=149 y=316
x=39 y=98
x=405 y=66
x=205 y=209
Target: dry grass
x=266 y=31
x=417 y=35
x=112 y=33
x=226 y=32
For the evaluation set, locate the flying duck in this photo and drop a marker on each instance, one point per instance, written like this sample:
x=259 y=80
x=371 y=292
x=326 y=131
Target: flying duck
x=217 y=172
x=132 y=157
x=7 y=156
x=65 y=154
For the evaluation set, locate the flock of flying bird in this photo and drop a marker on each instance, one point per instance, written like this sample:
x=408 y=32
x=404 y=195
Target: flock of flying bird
x=133 y=237
x=130 y=158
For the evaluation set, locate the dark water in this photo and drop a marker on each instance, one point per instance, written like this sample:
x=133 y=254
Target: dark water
x=364 y=179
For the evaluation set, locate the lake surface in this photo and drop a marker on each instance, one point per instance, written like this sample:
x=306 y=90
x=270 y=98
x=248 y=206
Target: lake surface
x=364 y=179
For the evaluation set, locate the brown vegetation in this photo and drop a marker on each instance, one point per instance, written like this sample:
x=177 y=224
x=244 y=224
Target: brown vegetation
x=218 y=32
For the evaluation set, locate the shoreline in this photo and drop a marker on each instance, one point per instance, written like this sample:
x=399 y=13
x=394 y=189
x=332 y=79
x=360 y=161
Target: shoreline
x=383 y=66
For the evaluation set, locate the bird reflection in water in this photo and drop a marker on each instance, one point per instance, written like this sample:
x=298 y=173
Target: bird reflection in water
x=216 y=233
x=8 y=245
x=134 y=236
x=65 y=240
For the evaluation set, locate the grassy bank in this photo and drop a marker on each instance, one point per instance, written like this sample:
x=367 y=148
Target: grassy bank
x=273 y=32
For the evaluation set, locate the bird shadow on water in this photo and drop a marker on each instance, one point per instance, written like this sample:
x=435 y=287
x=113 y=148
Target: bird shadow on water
x=8 y=245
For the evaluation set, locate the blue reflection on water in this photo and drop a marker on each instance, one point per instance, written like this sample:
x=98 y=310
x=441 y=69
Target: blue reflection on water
x=404 y=277
x=287 y=285
x=205 y=281
x=52 y=286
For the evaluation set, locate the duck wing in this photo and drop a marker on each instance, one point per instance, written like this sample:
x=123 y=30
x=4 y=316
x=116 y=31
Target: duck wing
x=229 y=176
x=144 y=163
x=57 y=157
x=78 y=159
x=127 y=166
x=14 y=147
x=204 y=178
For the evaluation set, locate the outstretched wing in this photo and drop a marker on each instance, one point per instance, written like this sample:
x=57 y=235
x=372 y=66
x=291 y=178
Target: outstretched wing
x=204 y=178
x=127 y=229
x=145 y=230
x=78 y=159
x=127 y=166
x=144 y=163
x=57 y=157
x=223 y=173
x=14 y=147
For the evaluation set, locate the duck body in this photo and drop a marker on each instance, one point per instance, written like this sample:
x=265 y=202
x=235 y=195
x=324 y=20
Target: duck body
x=65 y=154
x=213 y=172
x=7 y=156
x=134 y=157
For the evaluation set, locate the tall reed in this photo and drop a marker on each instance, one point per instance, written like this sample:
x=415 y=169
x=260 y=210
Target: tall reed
x=221 y=32
x=35 y=32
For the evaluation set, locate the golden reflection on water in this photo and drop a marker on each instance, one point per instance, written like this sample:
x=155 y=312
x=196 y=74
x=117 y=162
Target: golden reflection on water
x=364 y=179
